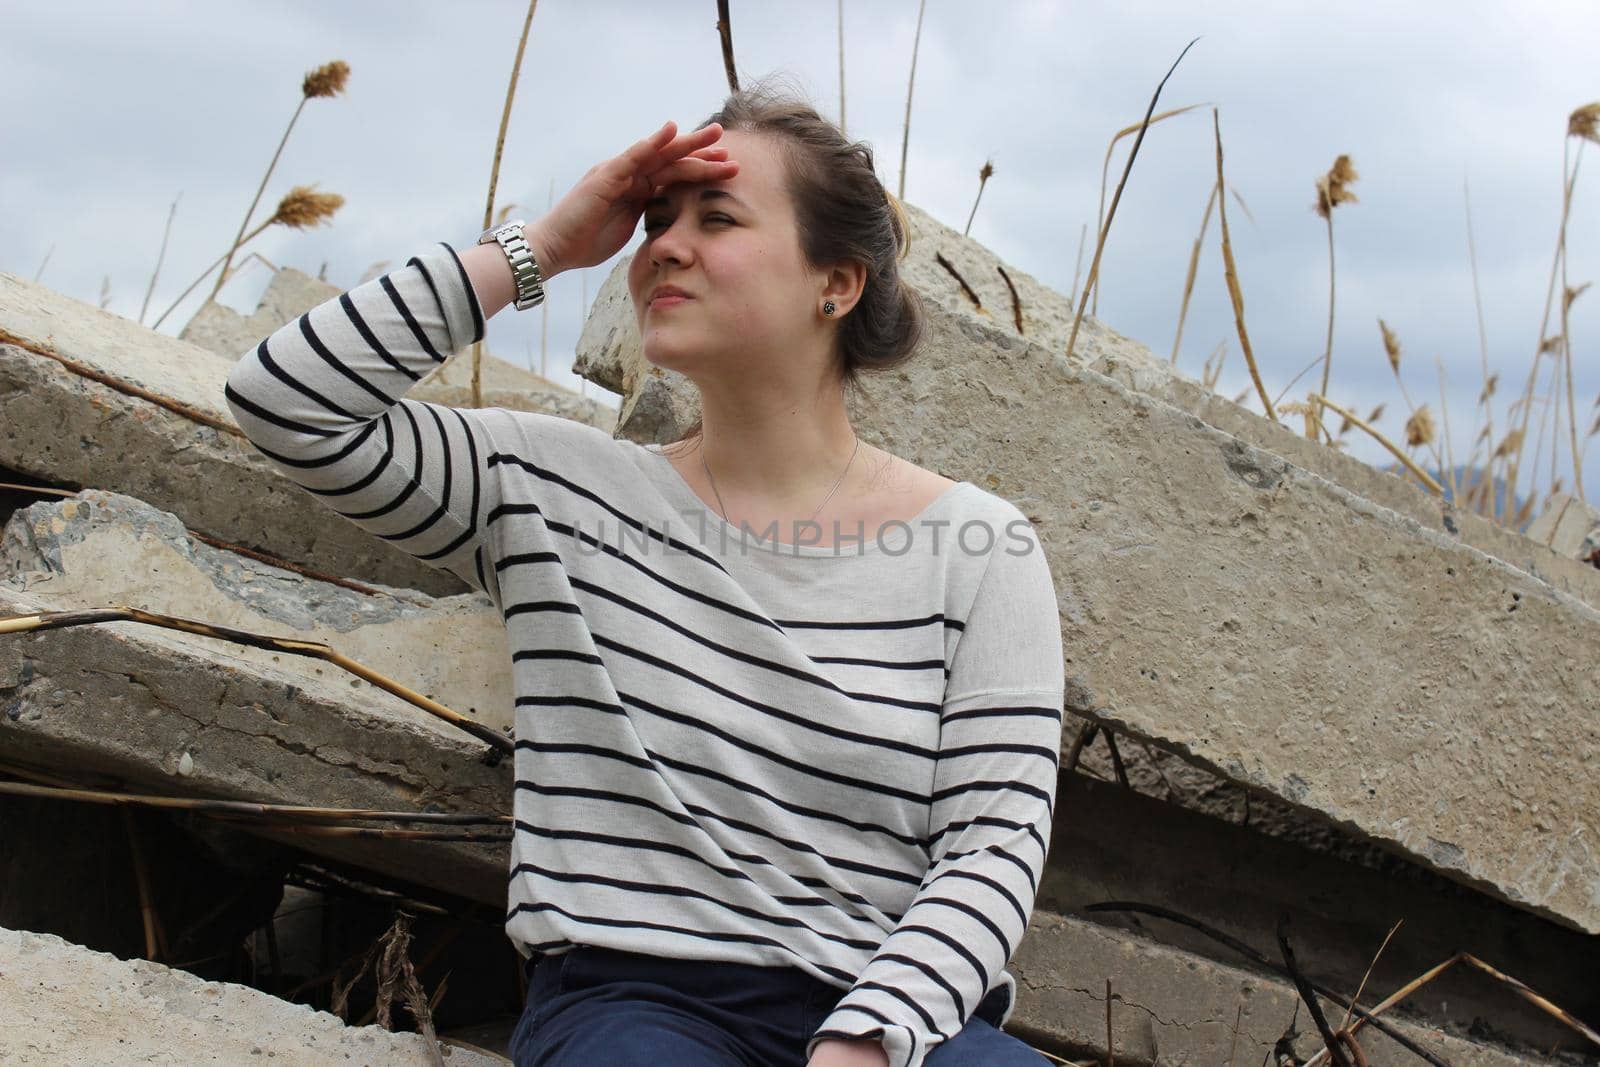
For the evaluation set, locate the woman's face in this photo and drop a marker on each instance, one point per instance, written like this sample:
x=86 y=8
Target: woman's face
x=731 y=245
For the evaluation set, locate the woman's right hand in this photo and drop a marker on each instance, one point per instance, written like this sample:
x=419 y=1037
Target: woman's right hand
x=596 y=217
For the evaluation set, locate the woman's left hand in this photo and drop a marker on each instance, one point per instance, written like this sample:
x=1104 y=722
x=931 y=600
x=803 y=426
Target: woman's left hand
x=836 y=1053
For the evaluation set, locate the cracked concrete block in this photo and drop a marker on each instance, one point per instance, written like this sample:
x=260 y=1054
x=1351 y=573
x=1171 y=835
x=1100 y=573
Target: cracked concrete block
x=220 y=329
x=92 y=399
x=101 y=548
x=1263 y=621
x=1169 y=1006
x=1569 y=526
x=63 y=1003
x=177 y=714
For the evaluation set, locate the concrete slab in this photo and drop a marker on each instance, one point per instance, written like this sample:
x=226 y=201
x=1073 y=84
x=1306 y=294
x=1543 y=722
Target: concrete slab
x=1172 y=1007
x=63 y=1003
x=177 y=714
x=99 y=549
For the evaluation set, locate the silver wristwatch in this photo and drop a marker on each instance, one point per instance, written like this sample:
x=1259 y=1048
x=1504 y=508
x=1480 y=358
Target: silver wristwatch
x=524 y=268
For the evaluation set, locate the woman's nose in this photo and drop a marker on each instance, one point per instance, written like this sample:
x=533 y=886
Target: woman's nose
x=671 y=243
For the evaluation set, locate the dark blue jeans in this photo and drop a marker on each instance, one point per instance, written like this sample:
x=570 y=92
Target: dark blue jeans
x=594 y=1006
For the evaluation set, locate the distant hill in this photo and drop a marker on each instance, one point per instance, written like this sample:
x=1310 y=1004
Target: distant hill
x=1467 y=477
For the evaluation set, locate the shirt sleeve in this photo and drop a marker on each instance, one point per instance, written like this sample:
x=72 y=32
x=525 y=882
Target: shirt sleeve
x=993 y=800
x=321 y=398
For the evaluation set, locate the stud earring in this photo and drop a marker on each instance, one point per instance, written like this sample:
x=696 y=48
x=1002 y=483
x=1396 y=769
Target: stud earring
x=827 y=307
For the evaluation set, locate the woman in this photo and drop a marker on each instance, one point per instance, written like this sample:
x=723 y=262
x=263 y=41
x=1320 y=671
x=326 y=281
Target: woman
x=779 y=799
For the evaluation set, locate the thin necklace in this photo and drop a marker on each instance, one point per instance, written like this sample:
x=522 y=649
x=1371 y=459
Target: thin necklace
x=814 y=514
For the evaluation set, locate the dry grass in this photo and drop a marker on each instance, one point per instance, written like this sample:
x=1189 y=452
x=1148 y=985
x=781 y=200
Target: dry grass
x=905 y=137
x=1231 y=276
x=494 y=179
x=1105 y=226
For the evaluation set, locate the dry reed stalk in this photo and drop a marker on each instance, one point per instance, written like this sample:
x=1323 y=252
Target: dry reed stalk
x=43 y=263
x=984 y=174
x=1332 y=190
x=1231 y=275
x=1580 y=124
x=1394 y=450
x=326 y=81
x=1105 y=165
x=1212 y=371
x=1568 y=295
x=494 y=180
x=1276 y=968
x=1233 y=1045
x=1077 y=269
x=1449 y=453
x=1487 y=433
x=395 y=971
x=725 y=33
x=300 y=208
x=1345 y=1022
x=905 y=137
x=54 y=620
x=1111 y=1040
x=1105 y=225
x=1520 y=987
x=141 y=873
x=248 y=809
x=841 y=66
x=1419 y=423
x=1194 y=265
x=161 y=256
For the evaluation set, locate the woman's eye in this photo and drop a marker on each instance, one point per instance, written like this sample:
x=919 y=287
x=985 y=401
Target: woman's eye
x=651 y=224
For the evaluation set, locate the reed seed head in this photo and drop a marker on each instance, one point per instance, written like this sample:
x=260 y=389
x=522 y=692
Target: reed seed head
x=1585 y=122
x=1377 y=413
x=1572 y=294
x=1391 y=346
x=1488 y=387
x=1509 y=444
x=326 y=80
x=1419 y=427
x=303 y=207
x=1333 y=187
x=987 y=172
x=1551 y=344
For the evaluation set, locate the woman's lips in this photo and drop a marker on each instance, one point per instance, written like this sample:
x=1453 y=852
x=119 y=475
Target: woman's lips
x=668 y=301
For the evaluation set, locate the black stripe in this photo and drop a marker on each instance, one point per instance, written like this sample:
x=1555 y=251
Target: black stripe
x=639 y=924
x=353 y=313
x=337 y=364
x=733 y=654
x=325 y=461
x=968 y=909
x=410 y=320
x=938 y=979
x=264 y=357
x=807 y=768
x=754 y=829
x=273 y=417
x=650 y=889
x=1016 y=905
x=974 y=713
x=717 y=776
x=905 y=998
x=377 y=468
x=472 y=294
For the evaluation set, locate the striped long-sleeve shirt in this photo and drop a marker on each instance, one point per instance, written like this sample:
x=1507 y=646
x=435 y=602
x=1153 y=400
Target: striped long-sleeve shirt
x=728 y=746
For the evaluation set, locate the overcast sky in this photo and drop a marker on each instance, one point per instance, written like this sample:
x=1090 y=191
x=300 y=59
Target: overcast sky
x=112 y=109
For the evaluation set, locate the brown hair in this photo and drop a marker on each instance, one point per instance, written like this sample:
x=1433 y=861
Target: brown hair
x=842 y=211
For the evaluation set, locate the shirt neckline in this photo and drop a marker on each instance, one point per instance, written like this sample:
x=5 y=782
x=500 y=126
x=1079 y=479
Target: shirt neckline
x=715 y=529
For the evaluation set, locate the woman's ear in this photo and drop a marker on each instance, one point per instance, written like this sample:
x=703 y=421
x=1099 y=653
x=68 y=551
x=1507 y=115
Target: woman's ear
x=845 y=282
